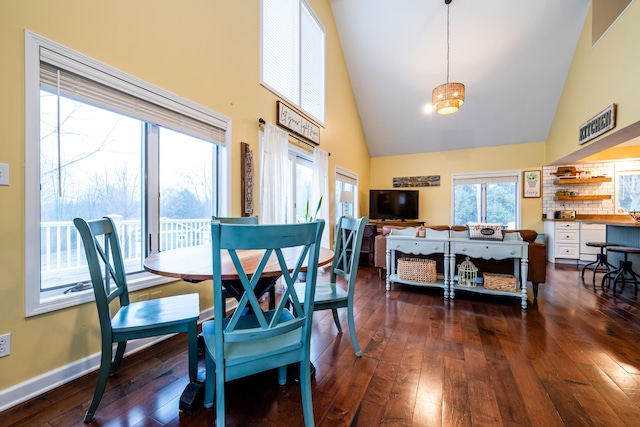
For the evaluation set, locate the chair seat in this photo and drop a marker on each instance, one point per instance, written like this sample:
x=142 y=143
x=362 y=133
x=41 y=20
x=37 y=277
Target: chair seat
x=159 y=313
x=238 y=352
x=325 y=292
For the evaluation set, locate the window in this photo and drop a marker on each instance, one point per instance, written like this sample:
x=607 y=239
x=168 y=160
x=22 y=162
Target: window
x=345 y=181
x=100 y=142
x=301 y=172
x=293 y=54
x=492 y=197
x=628 y=190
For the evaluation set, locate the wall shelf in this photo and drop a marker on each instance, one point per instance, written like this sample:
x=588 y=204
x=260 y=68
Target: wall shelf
x=569 y=181
x=590 y=197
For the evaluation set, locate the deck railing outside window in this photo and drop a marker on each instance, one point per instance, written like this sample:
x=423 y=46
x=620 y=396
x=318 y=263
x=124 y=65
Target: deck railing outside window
x=62 y=256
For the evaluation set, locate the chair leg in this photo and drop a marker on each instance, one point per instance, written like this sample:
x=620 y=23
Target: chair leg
x=220 y=414
x=103 y=376
x=336 y=320
x=122 y=346
x=192 y=332
x=282 y=375
x=352 y=331
x=210 y=380
x=535 y=290
x=305 y=390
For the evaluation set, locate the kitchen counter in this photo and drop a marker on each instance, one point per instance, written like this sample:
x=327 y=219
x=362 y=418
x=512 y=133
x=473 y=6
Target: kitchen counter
x=617 y=220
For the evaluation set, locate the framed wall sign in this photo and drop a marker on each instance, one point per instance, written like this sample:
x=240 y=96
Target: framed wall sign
x=531 y=183
x=290 y=119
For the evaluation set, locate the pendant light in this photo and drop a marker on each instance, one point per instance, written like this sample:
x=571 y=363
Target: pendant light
x=449 y=97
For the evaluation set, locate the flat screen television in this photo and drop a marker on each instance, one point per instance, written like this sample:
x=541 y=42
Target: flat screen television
x=393 y=204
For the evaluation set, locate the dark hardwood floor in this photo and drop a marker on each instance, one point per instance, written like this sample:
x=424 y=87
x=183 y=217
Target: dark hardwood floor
x=571 y=359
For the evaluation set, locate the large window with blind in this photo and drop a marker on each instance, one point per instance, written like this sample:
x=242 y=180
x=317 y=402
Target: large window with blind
x=487 y=197
x=293 y=54
x=102 y=143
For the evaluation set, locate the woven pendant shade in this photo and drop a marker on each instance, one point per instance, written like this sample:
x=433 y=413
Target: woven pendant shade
x=447 y=98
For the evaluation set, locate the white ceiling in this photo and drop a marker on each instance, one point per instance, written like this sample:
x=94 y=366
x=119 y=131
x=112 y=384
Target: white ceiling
x=512 y=55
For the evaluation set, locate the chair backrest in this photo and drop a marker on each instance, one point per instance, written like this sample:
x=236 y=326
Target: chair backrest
x=282 y=247
x=236 y=219
x=346 y=250
x=106 y=267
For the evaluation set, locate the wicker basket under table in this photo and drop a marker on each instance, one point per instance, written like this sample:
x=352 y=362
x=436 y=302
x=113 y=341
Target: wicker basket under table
x=500 y=282
x=417 y=270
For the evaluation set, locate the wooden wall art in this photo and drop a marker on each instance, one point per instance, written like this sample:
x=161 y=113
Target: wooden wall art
x=246 y=186
x=417 y=181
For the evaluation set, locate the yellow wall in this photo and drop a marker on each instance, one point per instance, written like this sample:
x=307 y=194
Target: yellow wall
x=598 y=77
x=435 y=202
x=205 y=51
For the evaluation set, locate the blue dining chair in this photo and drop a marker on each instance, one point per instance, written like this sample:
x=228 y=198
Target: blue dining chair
x=254 y=340
x=330 y=295
x=265 y=282
x=160 y=316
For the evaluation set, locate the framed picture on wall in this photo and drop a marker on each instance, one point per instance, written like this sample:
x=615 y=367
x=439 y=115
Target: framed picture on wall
x=531 y=183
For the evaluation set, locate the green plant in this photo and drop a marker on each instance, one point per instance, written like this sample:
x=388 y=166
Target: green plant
x=306 y=212
x=531 y=176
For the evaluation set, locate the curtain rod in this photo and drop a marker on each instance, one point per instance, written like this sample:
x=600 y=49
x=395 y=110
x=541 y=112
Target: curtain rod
x=261 y=121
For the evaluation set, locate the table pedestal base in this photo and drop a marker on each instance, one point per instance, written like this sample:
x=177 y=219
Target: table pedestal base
x=192 y=397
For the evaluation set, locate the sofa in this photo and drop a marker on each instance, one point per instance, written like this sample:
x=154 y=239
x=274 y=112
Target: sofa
x=537 y=253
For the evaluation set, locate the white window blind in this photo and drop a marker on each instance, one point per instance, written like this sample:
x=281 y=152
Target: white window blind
x=86 y=84
x=485 y=179
x=293 y=54
x=312 y=65
x=346 y=176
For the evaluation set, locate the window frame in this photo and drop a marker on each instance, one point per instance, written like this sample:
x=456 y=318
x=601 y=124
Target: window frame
x=624 y=169
x=37 y=302
x=297 y=155
x=485 y=178
x=344 y=176
x=303 y=7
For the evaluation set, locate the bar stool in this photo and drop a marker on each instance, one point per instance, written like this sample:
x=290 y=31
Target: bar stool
x=601 y=263
x=625 y=267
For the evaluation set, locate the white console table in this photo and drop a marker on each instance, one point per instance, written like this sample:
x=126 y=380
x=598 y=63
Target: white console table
x=518 y=250
x=487 y=249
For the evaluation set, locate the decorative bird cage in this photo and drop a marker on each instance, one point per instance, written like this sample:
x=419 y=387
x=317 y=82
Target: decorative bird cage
x=467 y=273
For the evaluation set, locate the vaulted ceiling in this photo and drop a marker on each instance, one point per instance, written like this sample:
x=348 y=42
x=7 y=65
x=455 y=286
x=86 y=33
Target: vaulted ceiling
x=512 y=55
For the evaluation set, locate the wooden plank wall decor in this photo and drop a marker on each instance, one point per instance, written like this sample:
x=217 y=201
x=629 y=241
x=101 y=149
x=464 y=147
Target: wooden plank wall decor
x=417 y=181
x=246 y=185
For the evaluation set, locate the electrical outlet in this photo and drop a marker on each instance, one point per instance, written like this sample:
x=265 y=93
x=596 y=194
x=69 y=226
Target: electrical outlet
x=4 y=174
x=5 y=345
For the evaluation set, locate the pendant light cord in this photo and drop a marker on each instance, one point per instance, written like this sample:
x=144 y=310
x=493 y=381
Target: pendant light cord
x=448 y=4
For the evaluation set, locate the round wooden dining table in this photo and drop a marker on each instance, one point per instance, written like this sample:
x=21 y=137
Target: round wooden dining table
x=195 y=264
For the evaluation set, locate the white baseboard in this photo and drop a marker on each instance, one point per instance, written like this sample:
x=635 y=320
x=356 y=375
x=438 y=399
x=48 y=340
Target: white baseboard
x=36 y=386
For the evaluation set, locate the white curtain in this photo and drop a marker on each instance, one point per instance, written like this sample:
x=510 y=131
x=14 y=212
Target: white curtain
x=320 y=188
x=274 y=175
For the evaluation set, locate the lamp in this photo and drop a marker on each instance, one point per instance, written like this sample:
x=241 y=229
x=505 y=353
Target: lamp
x=346 y=197
x=449 y=97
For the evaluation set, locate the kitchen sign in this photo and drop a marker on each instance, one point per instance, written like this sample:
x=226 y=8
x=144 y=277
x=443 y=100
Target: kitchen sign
x=596 y=126
x=290 y=119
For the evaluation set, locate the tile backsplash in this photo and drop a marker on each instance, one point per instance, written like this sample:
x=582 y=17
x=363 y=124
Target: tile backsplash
x=585 y=207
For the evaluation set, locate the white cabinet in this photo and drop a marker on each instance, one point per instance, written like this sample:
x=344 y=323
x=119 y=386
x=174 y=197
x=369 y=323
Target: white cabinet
x=564 y=240
x=591 y=233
